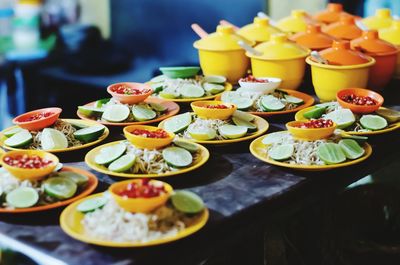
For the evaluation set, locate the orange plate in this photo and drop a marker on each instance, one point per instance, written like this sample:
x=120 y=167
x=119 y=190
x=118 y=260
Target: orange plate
x=90 y=187
x=173 y=109
x=308 y=101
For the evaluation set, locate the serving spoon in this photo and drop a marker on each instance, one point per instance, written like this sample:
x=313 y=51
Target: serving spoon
x=271 y=21
x=318 y=58
x=248 y=48
x=199 y=30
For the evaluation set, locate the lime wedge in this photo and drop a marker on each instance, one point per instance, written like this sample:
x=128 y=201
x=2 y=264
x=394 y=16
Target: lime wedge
x=281 y=152
x=191 y=147
x=79 y=179
x=314 y=113
x=13 y=130
x=90 y=205
x=178 y=123
x=187 y=202
x=52 y=139
x=331 y=153
x=228 y=96
x=216 y=79
x=232 y=131
x=276 y=137
x=169 y=94
x=99 y=103
x=89 y=134
x=243 y=115
x=351 y=149
x=142 y=113
x=158 y=79
x=20 y=139
x=158 y=107
x=202 y=134
x=242 y=103
x=342 y=117
x=192 y=91
x=78 y=125
x=271 y=103
x=213 y=88
x=390 y=115
x=239 y=122
x=293 y=100
x=358 y=138
x=90 y=111
x=110 y=153
x=60 y=188
x=22 y=197
x=177 y=157
x=122 y=164
x=373 y=122
x=116 y=113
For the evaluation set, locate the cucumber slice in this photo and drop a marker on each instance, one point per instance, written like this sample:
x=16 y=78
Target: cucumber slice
x=202 y=134
x=99 y=103
x=60 y=188
x=52 y=139
x=158 y=107
x=239 y=122
x=90 y=205
x=281 y=152
x=122 y=164
x=169 y=94
x=192 y=91
x=116 y=113
x=158 y=79
x=232 y=131
x=79 y=179
x=191 y=147
x=351 y=149
x=178 y=123
x=20 y=139
x=110 y=153
x=271 y=103
x=373 y=122
x=216 y=79
x=10 y=132
x=243 y=116
x=213 y=88
x=177 y=157
x=390 y=115
x=331 y=153
x=142 y=113
x=359 y=139
x=276 y=137
x=90 y=111
x=187 y=202
x=22 y=197
x=314 y=113
x=342 y=117
x=293 y=100
x=89 y=134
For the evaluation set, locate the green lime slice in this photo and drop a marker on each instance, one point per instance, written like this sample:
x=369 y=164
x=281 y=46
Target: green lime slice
x=90 y=111
x=239 y=122
x=390 y=115
x=271 y=103
x=22 y=197
x=373 y=122
x=178 y=123
x=232 y=131
x=191 y=91
x=79 y=179
x=116 y=113
x=351 y=149
x=293 y=100
x=228 y=96
x=281 y=152
x=158 y=107
x=276 y=137
x=202 y=134
x=242 y=103
x=13 y=130
x=20 y=139
x=358 y=138
x=342 y=117
x=314 y=113
x=90 y=205
x=177 y=156
x=243 y=116
x=60 y=188
x=53 y=139
x=109 y=153
x=180 y=71
x=187 y=202
x=169 y=94
x=122 y=164
x=331 y=153
x=99 y=103
x=89 y=134
x=216 y=79
x=191 y=147
x=158 y=79
x=213 y=88
x=142 y=113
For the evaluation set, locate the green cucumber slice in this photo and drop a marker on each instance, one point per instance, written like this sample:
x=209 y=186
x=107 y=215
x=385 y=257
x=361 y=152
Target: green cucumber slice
x=178 y=123
x=191 y=147
x=177 y=157
x=187 y=202
x=60 y=187
x=142 y=113
x=116 y=113
x=110 y=153
x=79 y=179
x=191 y=91
x=331 y=153
x=213 y=88
x=53 y=139
x=293 y=100
x=158 y=107
x=216 y=79
x=202 y=134
x=90 y=205
x=20 y=139
x=99 y=103
x=90 y=111
x=122 y=164
x=239 y=122
x=22 y=197
x=243 y=116
x=373 y=122
x=276 y=137
x=13 y=130
x=89 y=134
x=351 y=149
x=314 y=113
x=281 y=152
x=342 y=117
x=390 y=115
x=271 y=103
x=232 y=131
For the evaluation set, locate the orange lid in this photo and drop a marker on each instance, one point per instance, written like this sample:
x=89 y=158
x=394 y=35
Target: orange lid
x=345 y=28
x=313 y=38
x=341 y=54
x=331 y=14
x=370 y=43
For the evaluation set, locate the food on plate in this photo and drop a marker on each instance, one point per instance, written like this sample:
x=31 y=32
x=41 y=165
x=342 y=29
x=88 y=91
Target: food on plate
x=315 y=124
x=252 y=79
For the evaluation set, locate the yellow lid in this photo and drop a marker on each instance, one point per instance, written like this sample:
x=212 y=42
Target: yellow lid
x=224 y=39
x=279 y=47
x=296 y=22
x=391 y=34
x=260 y=30
x=382 y=19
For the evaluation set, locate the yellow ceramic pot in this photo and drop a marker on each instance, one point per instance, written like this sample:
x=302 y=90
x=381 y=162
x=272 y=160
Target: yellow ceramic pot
x=392 y=35
x=282 y=59
x=296 y=22
x=382 y=19
x=259 y=31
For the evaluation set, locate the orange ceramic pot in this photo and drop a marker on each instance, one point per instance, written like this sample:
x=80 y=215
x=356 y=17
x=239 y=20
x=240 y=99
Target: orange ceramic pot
x=313 y=38
x=344 y=29
x=331 y=14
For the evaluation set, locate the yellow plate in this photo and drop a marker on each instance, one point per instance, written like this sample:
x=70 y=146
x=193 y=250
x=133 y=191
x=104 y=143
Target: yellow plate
x=70 y=221
x=394 y=126
x=89 y=159
x=257 y=148
x=75 y=121
x=262 y=127
x=228 y=87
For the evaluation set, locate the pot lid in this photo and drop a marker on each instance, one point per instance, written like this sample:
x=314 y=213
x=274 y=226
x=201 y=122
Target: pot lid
x=313 y=38
x=381 y=19
x=224 y=39
x=280 y=47
x=296 y=22
x=331 y=14
x=370 y=43
x=345 y=29
x=341 y=54
x=391 y=34
x=260 y=30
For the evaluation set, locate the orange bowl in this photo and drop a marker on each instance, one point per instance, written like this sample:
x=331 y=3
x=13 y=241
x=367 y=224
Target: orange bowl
x=38 y=124
x=359 y=92
x=309 y=134
x=147 y=142
x=201 y=109
x=139 y=205
x=145 y=90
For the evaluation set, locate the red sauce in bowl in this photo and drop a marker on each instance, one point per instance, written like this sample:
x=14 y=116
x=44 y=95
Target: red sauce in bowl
x=127 y=90
x=159 y=133
x=316 y=124
x=252 y=79
x=219 y=106
x=142 y=189
x=37 y=116
x=359 y=100
x=27 y=162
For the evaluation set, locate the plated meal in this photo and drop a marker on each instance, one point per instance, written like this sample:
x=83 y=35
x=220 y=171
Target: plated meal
x=184 y=84
x=29 y=181
x=215 y=122
x=135 y=213
x=43 y=130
